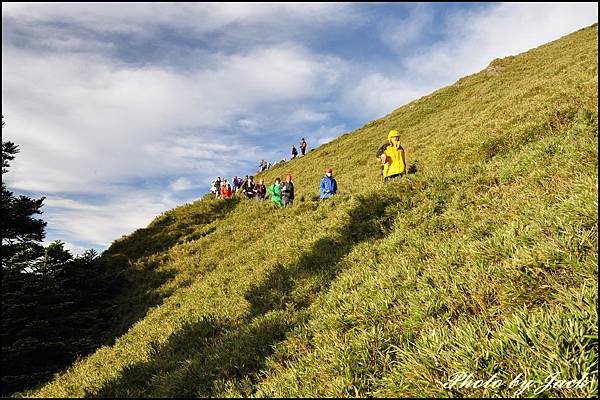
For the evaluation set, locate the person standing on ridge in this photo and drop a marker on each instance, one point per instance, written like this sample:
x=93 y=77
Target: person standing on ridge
x=294 y=152
x=275 y=192
x=328 y=184
x=392 y=157
x=287 y=192
x=303 y=146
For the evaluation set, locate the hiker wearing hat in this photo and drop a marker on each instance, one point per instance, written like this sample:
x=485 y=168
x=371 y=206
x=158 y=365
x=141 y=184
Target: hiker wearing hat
x=328 y=184
x=392 y=157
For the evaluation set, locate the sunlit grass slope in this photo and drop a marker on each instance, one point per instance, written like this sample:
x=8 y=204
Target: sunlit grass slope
x=483 y=260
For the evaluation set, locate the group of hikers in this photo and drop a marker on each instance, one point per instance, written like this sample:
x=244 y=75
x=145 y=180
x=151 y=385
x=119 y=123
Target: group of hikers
x=264 y=164
x=303 y=145
x=391 y=156
x=223 y=189
x=281 y=193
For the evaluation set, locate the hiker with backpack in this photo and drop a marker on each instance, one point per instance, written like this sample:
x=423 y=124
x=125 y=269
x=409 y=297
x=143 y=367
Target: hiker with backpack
x=248 y=187
x=303 y=146
x=328 y=184
x=392 y=156
x=275 y=192
x=287 y=192
x=260 y=189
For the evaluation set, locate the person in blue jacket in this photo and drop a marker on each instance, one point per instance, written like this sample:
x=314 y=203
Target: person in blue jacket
x=328 y=184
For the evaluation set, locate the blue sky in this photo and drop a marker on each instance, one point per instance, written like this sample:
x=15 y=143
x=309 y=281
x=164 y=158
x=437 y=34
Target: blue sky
x=126 y=110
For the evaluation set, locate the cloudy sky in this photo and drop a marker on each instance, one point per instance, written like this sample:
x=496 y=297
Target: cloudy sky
x=125 y=110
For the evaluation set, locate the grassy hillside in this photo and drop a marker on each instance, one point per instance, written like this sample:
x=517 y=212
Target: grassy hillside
x=484 y=259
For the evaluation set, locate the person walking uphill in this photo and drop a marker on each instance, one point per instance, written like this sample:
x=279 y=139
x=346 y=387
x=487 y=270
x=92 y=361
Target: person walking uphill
x=303 y=146
x=294 y=152
x=287 y=192
x=275 y=192
x=328 y=184
x=392 y=157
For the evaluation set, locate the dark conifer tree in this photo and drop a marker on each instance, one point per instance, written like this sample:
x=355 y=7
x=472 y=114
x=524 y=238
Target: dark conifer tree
x=21 y=232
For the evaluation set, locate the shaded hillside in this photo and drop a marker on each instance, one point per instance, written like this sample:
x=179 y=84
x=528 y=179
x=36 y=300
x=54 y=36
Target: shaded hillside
x=483 y=259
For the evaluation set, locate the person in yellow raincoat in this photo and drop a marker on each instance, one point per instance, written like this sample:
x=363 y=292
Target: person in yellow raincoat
x=392 y=157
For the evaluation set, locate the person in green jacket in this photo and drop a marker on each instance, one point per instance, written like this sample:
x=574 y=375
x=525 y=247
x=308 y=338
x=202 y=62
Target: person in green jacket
x=275 y=192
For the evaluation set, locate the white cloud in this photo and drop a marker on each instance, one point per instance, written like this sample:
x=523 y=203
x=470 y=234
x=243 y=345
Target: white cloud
x=144 y=20
x=376 y=95
x=92 y=115
x=506 y=29
x=181 y=184
x=303 y=115
x=247 y=124
x=78 y=221
x=398 y=34
x=325 y=134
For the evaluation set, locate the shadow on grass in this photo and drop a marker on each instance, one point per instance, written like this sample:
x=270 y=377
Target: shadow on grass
x=200 y=360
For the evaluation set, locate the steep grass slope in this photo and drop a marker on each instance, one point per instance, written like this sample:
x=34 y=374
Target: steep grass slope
x=482 y=260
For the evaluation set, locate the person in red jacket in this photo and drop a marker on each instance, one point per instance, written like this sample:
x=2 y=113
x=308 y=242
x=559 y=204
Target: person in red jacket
x=303 y=146
x=226 y=189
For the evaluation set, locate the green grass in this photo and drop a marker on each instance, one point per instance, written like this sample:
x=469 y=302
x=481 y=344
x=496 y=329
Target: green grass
x=482 y=260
